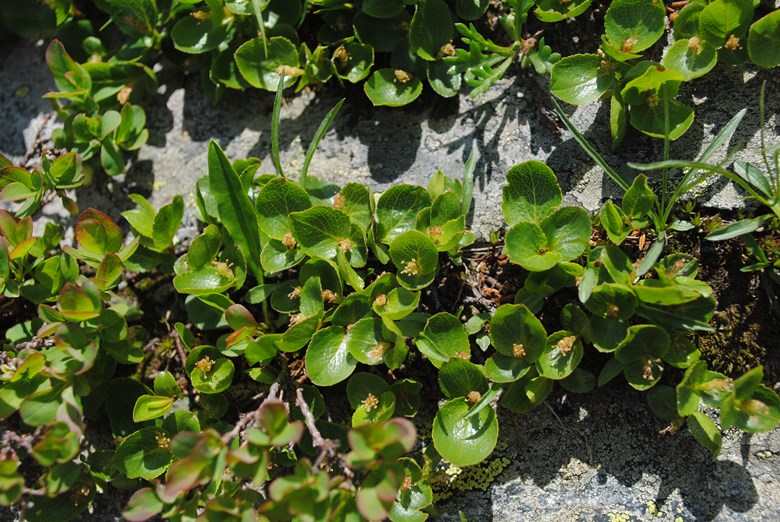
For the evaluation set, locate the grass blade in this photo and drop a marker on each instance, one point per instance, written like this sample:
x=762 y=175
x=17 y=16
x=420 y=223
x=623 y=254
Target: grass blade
x=275 y=127
x=468 y=181
x=323 y=128
x=589 y=150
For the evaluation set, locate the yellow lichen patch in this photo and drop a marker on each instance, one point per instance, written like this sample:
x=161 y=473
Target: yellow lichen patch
x=619 y=517
x=449 y=479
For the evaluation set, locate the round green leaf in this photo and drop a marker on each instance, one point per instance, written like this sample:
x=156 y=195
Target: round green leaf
x=443 y=338
x=764 y=41
x=531 y=193
x=526 y=245
x=557 y=10
x=568 y=232
x=634 y=25
x=260 y=63
x=562 y=353
x=366 y=342
x=691 y=58
x=580 y=79
x=650 y=119
x=321 y=231
x=392 y=87
x=194 y=36
x=606 y=334
x=686 y=25
x=723 y=18
x=328 y=360
x=431 y=29
x=445 y=84
x=397 y=209
x=525 y=394
x=612 y=301
x=503 y=368
x=464 y=441
x=143 y=454
x=277 y=257
x=458 y=378
x=517 y=333
x=148 y=407
x=416 y=258
x=705 y=432
x=381 y=33
x=217 y=379
x=580 y=381
x=277 y=200
x=642 y=340
x=383 y=8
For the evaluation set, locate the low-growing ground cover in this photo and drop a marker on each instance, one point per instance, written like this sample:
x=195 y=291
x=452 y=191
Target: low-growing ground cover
x=283 y=362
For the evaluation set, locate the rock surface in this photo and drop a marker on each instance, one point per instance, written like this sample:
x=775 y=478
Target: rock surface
x=594 y=457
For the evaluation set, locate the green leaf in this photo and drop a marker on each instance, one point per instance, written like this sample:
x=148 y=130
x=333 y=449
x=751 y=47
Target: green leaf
x=757 y=414
x=691 y=58
x=643 y=340
x=568 y=232
x=764 y=41
x=562 y=353
x=367 y=342
x=612 y=301
x=379 y=490
x=142 y=506
x=353 y=61
x=431 y=29
x=78 y=305
x=321 y=231
x=235 y=208
x=443 y=338
x=328 y=360
x=260 y=63
x=445 y=84
x=525 y=394
x=97 y=232
x=516 y=332
x=143 y=454
x=276 y=201
x=526 y=245
x=614 y=222
x=503 y=368
x=639 y=199
x=68 y=75
x=736 y=229
x=705 y=432
x=397 y=209
x=580 y=381
x=416 y=258
x=557 y=10
x=459 y=378
x=634 y=25
x=531 y=193
x=581 y=79
x=464 y=442
x=381 y=33
x=618 y=121
x=276 y=257
x=382 y=8
x=213 y=377
x=650 y=119
x=194 y=36
x=392 y=87
x=149 y=407
x=165 y=385
x=723 y=18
